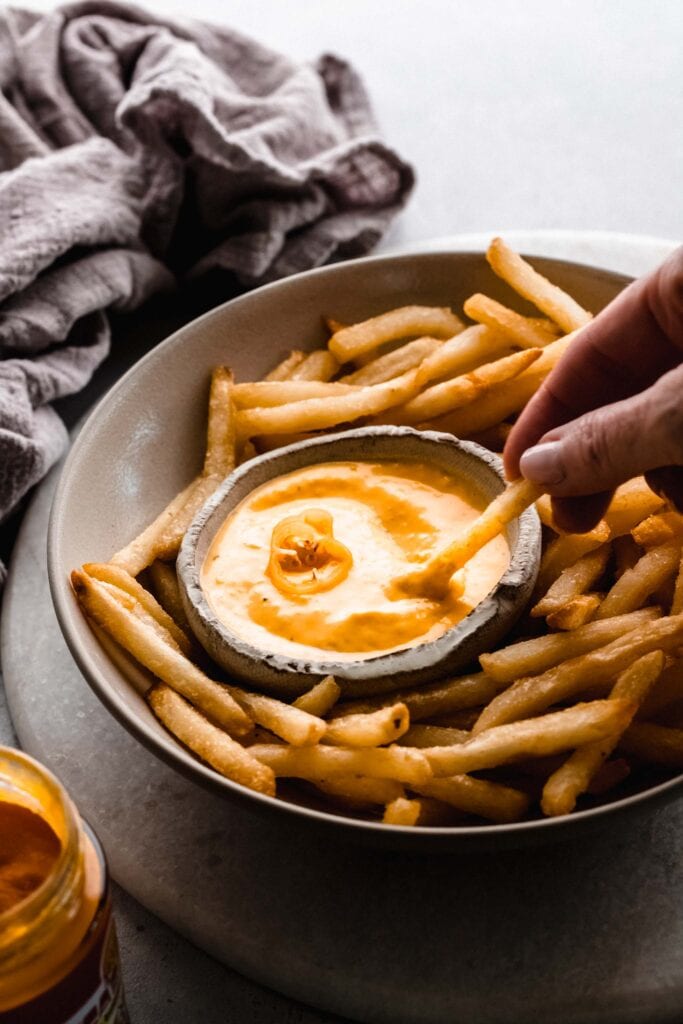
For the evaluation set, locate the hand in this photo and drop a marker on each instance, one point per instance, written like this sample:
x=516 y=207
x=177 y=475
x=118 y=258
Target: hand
x=613 y=407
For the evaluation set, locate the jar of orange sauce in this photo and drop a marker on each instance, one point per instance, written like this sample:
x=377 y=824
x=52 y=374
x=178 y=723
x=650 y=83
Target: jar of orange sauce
x=59 y=961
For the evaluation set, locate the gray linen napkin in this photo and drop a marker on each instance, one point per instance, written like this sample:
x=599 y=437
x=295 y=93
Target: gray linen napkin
x=136 y=151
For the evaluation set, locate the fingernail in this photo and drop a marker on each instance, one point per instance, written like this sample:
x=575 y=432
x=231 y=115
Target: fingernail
x=542 y=464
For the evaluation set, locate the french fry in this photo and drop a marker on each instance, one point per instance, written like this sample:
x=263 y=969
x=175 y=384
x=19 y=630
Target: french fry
x=432 y=700
x=268 y=394
x=464 y=352
x=657 y=744
x=404 y=764
x=576 y=612
x=433 y=580
x=285 y=369
x=658 y=529
x=359 y=790
x=402 y=811
x=220 y=455
x=565 y=785
x=118 y=577
x=404 y=322
x=142 y=550
x=317 y=365
x=165 y=584
x=318 y=413
x=637 y=584
x=297 y=727
x=393 y=364
x=432 y=736
x=631 y=502
x=369 y=730
x=531 y=657
x=567 y=550
x=504 y=399
x=533 y=694
x=526 y=281
x=320 y=699
x=572 y=582
x=460 y=391
x=521 y=330
x=489 y=800
x=533 y=737
x=208 y=742
x=169 y=665
x=677 y=603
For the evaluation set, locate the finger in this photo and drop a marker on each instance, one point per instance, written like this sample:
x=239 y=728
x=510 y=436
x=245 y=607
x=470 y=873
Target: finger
x=602 y=449
x=579 y=515
x=667 y=482
x=631 y=343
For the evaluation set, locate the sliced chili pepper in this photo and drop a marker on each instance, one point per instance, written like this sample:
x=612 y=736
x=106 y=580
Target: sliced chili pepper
x=305 y=556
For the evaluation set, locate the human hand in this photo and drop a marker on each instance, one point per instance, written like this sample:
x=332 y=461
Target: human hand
x=613 y=407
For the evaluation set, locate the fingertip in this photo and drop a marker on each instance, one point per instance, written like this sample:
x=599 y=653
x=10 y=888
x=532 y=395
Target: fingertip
x=580 y=515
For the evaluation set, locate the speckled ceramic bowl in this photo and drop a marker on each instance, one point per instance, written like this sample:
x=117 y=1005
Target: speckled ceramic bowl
x=145 y=441
x=421 y=663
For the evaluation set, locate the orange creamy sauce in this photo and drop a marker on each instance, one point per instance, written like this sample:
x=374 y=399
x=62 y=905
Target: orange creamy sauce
x=29 y=849
x=392 y=517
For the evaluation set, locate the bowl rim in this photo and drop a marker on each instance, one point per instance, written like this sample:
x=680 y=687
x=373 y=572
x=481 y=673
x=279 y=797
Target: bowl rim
x=432 y=653
x=175 y=755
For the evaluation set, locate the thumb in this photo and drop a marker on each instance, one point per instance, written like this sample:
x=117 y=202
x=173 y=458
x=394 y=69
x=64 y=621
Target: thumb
x=603 y=448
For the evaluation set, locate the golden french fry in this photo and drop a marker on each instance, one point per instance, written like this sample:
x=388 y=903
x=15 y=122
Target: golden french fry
x=631 y=502
x=317 y=365
x=489 y=800
x=359 y=790
x=565 y=785
x=432 y=736
x=402 y=811
x=657 y=744
x=637 y=584
x=677 y=603
x=118 y=577
x=530 y=657
x=285 y=369
x=393 y=364
x=432 y=700
x=318 y=413
x=142 y=550
x=576 y=612
x=572 y=582
x=220 y=455
x=566 y=550
x=460 y=391
x=504 y=399
x=320 y=699
x=433 y=580
x=168 y=664
x=520 y=329
x=526 y=281
x=373 y=729
x=471 y=348
x=658 y=529
x=268 y=394
x=404 y=764
x=533 y=694
x=297 y=727
x=165 y=584
x=405 y=322
x=208 y=742
x=532 y=737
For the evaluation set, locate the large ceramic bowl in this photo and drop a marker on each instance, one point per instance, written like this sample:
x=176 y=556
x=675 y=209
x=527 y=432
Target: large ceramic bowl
x=144 y=442
x=459 y=647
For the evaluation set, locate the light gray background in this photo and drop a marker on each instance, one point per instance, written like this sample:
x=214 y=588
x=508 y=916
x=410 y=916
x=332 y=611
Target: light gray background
x=516 y=115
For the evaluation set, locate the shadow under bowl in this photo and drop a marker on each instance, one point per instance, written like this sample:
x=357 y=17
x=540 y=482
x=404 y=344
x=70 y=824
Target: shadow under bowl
x=480 y=630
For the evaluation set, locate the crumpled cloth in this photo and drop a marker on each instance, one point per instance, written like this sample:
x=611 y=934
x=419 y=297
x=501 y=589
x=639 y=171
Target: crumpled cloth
x=137 y=151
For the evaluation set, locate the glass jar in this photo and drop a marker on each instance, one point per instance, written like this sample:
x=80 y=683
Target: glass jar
x=59 y=961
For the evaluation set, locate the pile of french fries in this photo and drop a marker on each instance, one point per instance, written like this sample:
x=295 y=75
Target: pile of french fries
x=589 y=699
